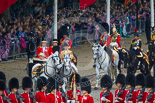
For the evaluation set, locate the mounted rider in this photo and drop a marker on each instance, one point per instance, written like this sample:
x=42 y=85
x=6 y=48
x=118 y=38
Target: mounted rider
x=55 y=46
x=115 y=36
x=43 y=49
x=105 y=40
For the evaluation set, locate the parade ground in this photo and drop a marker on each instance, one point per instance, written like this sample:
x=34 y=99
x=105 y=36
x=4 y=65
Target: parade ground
x=17 y=68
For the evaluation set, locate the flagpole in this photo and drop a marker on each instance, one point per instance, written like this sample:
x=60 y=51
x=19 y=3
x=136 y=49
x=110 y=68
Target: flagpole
x=108 y=12
x=152 y=12
x=55 y=18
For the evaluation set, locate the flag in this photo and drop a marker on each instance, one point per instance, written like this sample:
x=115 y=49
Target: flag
x=134 y=1
x=4 y=4
x=126 y=2
x=86 y=3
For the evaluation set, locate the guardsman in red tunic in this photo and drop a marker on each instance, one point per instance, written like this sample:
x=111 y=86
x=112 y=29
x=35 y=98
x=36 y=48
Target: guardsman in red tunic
x=27 y=94
x=116 y=37
x=65 y=39
x=14 y=96
x=41 y=94
x=120 y=92
x=6 y=92
x=86 y=90
x=74 y=78
x=53 y=96
x=130 y=86
x=140 y=85
x=55 y=45
x=43 y=49
x=106 y=84
x=2 y=88
x=151 y=89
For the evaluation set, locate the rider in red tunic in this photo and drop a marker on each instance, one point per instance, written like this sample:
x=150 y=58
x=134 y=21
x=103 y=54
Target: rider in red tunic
x=86 y=90
x=140 y=84
x=151 y=89
x=27 y=95
x=43 y=49
x=106 y=84
x=41 y=94
x=130 y=85
x=14 y=86
x=120 y=92
x=74 y=78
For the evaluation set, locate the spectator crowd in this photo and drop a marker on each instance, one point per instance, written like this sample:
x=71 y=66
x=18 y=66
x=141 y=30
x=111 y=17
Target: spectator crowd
x=36 y=17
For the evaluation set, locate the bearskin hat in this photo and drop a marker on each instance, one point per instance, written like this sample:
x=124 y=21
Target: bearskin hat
x=150 y=82
x=130 y=80
x=2 y=77
x=77 y=78
x=105 y=27
x=13 y=83
x=56 y=48
x=59 y=79
x=106 y=82
x=140 y=80
x=120 y=79
x=65 y=30
x=27 y=82
x=85 y=85
x=51 y=84
x=42 y=81
x=2 y=85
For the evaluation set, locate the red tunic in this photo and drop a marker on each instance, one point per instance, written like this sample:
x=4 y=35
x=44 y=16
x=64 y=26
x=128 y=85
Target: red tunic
x=143 y=97
x=118 y=40
x=4 y=92
x=1 y=100
x=121 y=97
x=41 y=97
x=133 y=100
x=40 y=50
x=26 y=97
x=51 y=98
x=152 y=100
x=13 y=98
x=59 y=97
x=110 y=97
x=50 y=50
x=68 y=41
x=70 y=94
x=86 y=99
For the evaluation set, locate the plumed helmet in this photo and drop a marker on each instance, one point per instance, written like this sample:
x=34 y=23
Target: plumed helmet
x=41 y=82
x=140 y=80
x=13 y=83
x=105 y=27
x=130 y=80
x=77 y=79
x=56 y=48
x=85 y=85
x=120 y=79
x=106 y=82
x=149 y=81
x=59 y=79
x=2 y=85
x=51 y=84
x=2 y=76
x=27 y=82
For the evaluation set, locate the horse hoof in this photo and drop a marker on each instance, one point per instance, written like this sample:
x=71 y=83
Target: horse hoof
x=95 y=88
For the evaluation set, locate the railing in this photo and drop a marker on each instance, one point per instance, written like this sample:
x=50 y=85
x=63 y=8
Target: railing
x=77 y=37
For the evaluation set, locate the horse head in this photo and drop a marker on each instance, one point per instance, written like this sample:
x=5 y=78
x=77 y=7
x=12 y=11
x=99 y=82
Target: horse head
x=95 y=49
x=55 y=59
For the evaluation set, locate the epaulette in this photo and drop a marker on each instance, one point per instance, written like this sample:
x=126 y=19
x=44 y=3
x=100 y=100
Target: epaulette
x=48 y=93
x=51 y=46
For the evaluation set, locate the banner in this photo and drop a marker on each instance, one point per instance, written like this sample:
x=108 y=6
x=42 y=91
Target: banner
x=4 y=4
x=86 y=3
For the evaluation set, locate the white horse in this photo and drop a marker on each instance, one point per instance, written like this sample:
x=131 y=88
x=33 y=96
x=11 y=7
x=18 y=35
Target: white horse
x=102 y=61
x=68 y=68
x=47 y=70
